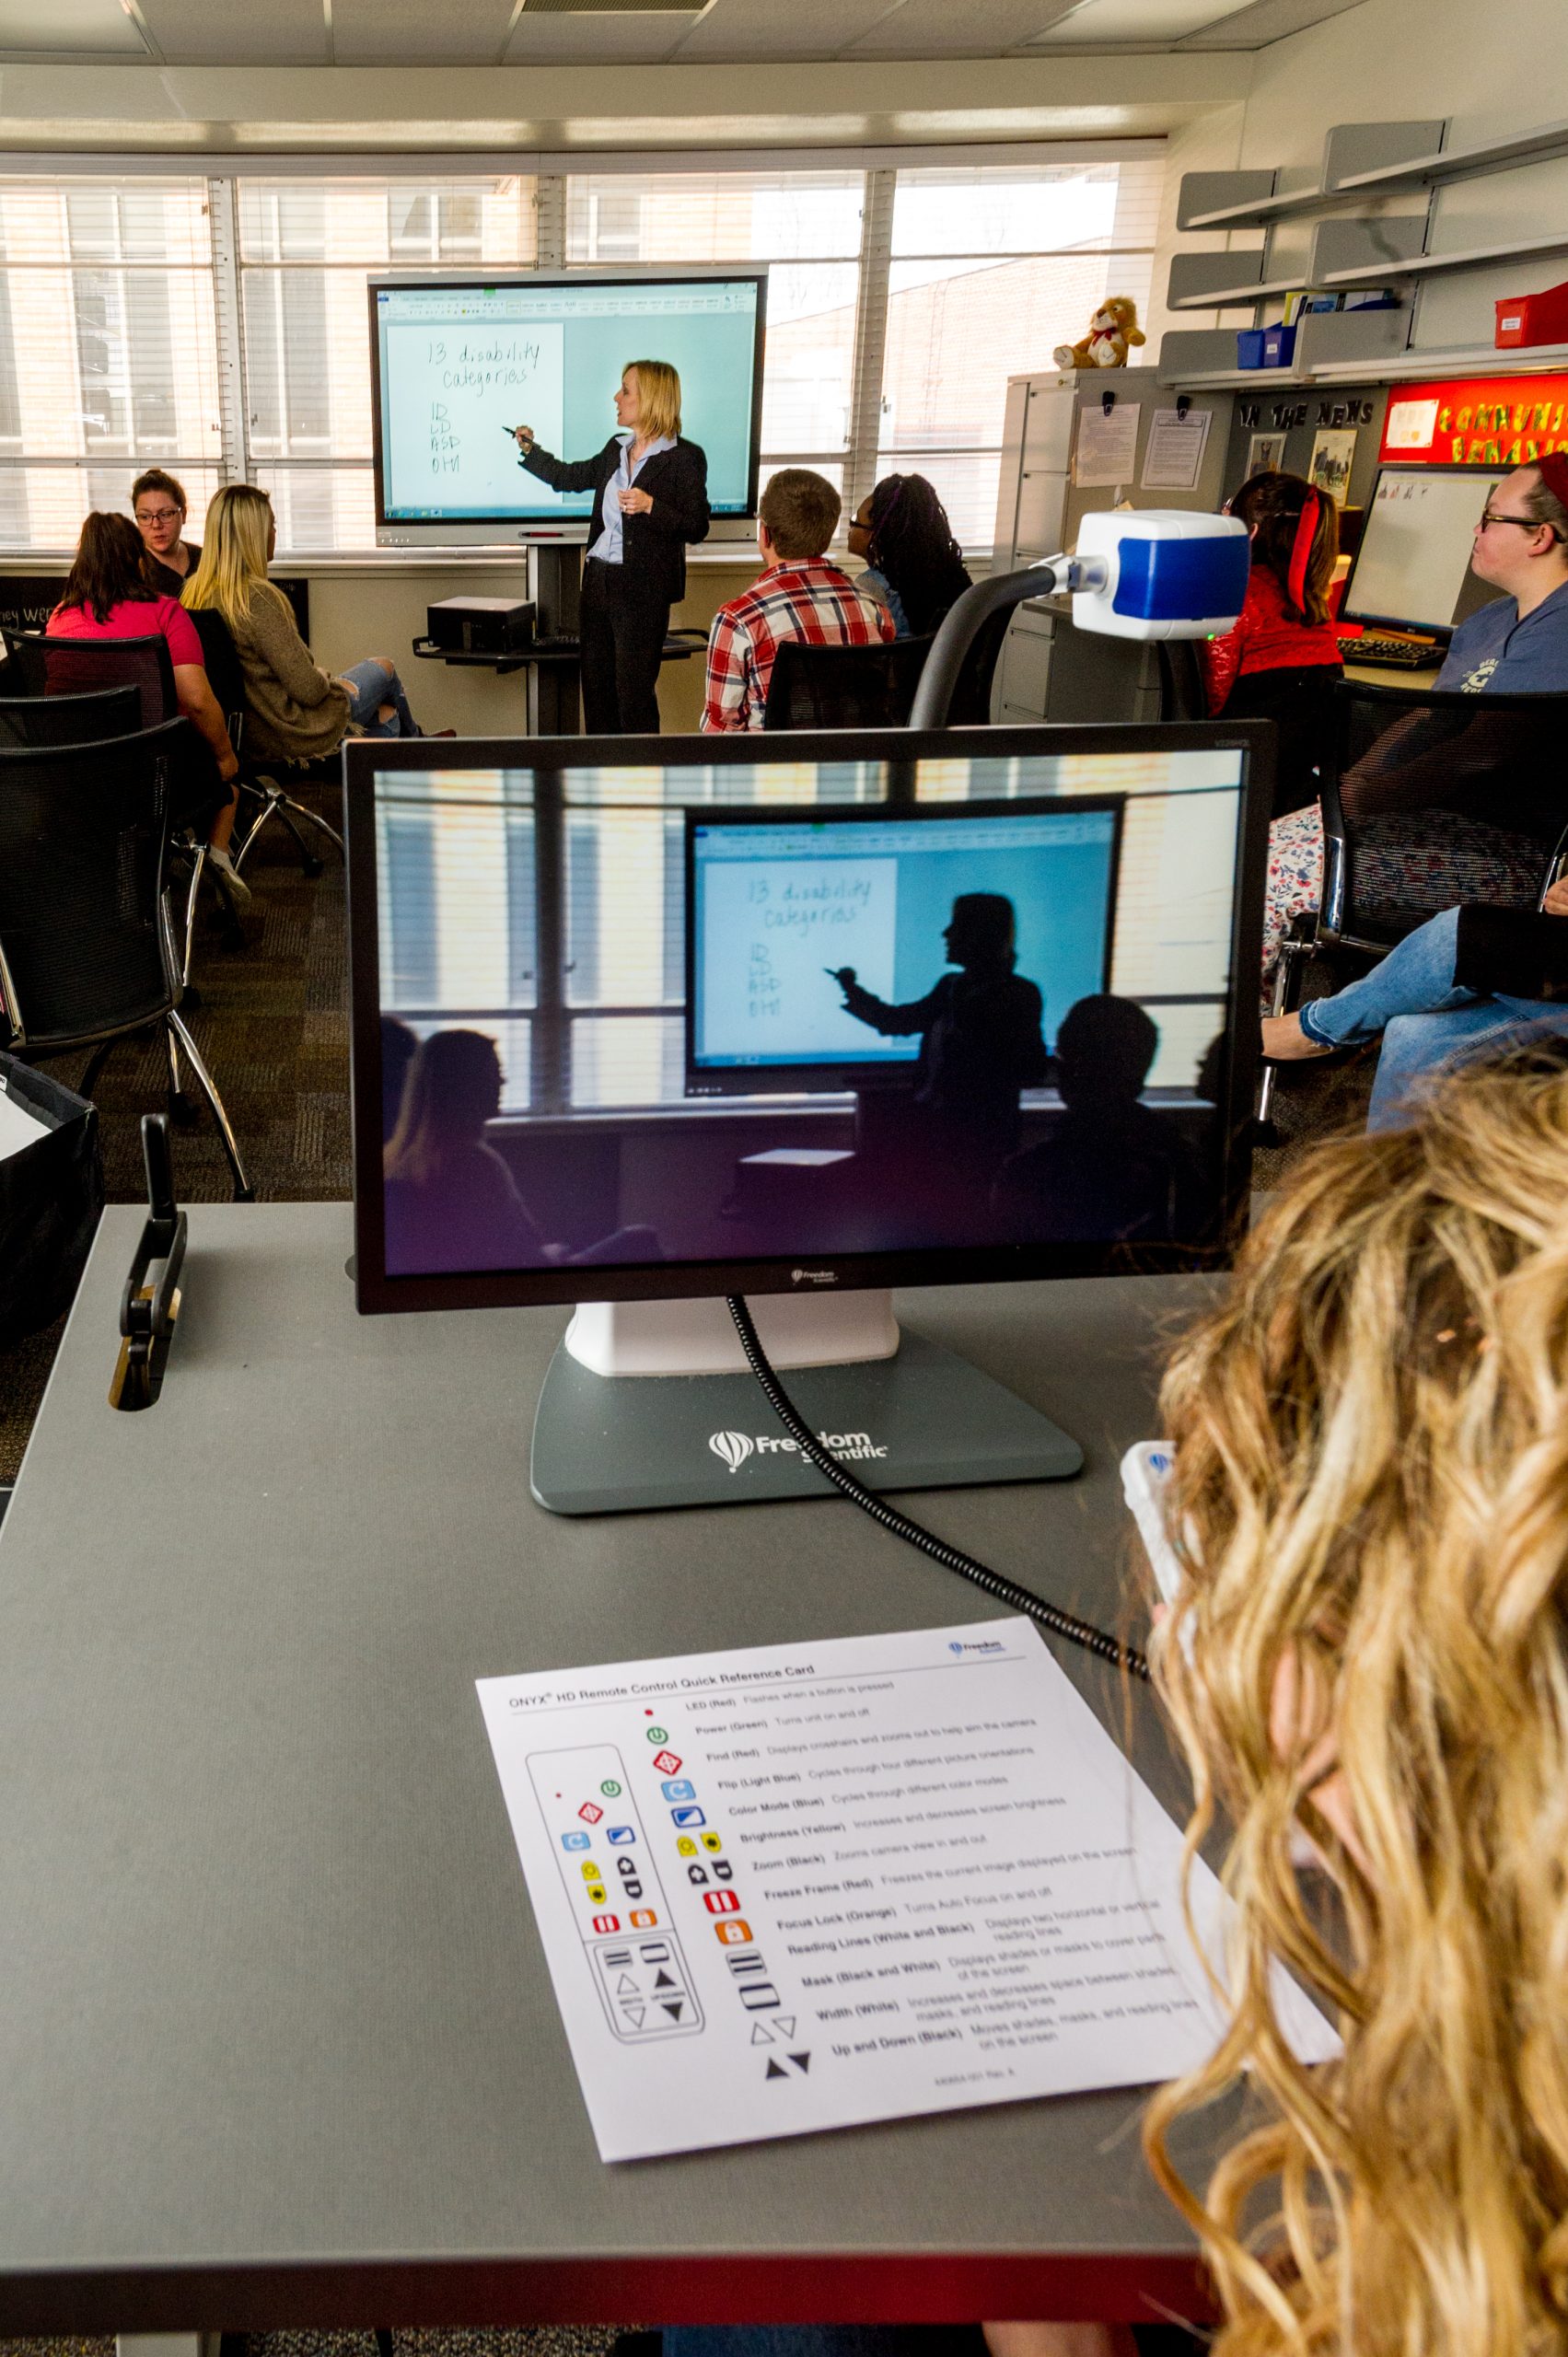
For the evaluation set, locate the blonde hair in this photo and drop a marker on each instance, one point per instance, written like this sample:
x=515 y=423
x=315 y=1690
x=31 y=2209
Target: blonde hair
x=658 y=397
x=1372 y=1492
x=234 y=555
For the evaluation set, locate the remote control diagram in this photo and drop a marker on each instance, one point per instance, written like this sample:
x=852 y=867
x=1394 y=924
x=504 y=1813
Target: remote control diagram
x=618 y=1904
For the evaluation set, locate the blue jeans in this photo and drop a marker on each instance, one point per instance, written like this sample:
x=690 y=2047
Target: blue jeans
x=371 y=686
x=1428 y=1025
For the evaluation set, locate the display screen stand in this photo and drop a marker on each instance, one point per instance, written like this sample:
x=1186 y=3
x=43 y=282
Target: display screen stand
x=651 y=1404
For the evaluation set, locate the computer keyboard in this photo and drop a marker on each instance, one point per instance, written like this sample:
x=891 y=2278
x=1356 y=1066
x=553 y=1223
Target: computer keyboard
x=1392 y=654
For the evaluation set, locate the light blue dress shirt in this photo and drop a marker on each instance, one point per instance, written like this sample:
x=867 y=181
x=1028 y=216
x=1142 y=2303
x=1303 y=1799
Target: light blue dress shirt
x=607 y=548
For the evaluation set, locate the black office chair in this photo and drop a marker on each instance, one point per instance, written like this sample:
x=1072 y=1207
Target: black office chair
x=1351 y=932
x=70 y=720
x=1182 y=693
x=970 y=706
x=844 y=687
x=87 y=955
x=57 y=667
x=259 y=784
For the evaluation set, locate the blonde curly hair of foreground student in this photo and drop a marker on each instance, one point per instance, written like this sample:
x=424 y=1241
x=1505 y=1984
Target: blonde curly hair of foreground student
x=1372 y=1453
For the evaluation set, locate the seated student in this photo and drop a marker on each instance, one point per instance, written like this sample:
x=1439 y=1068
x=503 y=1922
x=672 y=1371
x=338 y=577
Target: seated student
x=1280 y=659
x=451 y=1201
x=800 y=594
x=1463 y=984
x=159 y=505
x=1441 y=816
x=1112 y=1169
x=915 y=566
x=108 y=595
x=294 y=711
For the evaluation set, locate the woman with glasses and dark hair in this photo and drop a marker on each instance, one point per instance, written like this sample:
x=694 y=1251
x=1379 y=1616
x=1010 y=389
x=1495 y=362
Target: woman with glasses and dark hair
x=914 y=565
x=159 y=506
x=1444 y=810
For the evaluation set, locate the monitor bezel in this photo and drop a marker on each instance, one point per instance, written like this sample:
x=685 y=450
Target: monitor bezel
x=724 y=1081
x=378 y=1293
x=466 y=280
x=1439 y=632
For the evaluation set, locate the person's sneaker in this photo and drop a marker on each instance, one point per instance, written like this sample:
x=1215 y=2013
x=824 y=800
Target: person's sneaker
x=233 y=883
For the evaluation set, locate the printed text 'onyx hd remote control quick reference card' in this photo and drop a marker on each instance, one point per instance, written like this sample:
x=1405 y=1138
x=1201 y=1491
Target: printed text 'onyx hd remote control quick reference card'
x=806 y=1885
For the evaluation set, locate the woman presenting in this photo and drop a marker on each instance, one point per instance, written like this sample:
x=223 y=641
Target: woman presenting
x=651 y=497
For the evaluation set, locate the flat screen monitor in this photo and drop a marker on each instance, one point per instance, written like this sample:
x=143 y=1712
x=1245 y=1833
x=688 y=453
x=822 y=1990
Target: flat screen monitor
x=666 y=1018
x=457 y=362
x=1412 y=568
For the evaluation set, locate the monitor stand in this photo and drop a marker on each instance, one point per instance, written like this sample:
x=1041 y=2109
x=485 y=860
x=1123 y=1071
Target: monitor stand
x=651 y=1403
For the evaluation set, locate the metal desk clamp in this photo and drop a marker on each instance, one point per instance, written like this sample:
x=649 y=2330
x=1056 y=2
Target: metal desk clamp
x=150 y=1302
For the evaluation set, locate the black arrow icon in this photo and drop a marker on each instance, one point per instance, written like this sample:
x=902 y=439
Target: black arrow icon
x=801 y=2062
x=775 y=2071
x=663 y=1981
x=672 y=2007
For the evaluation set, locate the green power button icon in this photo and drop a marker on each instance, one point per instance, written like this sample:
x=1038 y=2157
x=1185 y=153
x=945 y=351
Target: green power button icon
x=610 y=1788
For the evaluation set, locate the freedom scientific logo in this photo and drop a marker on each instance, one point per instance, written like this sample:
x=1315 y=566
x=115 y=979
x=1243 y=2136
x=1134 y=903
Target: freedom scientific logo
x=734 y=1448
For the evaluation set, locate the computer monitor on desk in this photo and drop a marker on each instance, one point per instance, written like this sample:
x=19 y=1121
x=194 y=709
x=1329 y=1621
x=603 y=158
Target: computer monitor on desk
x=1412 y=568
x=800 y=1019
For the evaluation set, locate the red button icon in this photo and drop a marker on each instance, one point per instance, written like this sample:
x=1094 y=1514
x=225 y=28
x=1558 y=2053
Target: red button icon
x=606 y=1922
x=721 y=1903
x=589 y=1814
x=667 y=1762
x=642 y=1918
x=734 y=1935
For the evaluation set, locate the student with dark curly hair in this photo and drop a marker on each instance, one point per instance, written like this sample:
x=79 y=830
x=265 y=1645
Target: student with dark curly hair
x=915 y=568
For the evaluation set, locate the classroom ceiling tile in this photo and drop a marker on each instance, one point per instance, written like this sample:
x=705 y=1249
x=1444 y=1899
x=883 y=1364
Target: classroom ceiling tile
x=736 y=30
x=194 y=32
x=937 y=28
x=1157 y=24
x=546 y=37
x=1267 y=20
x=412 y=32
x=68 y=28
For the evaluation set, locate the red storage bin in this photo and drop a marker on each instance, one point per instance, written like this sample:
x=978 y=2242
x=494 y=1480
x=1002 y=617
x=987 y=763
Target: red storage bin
x=1534 y=319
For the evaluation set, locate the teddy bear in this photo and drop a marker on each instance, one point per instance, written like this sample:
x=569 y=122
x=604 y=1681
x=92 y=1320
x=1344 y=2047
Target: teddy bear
x=1113 y=329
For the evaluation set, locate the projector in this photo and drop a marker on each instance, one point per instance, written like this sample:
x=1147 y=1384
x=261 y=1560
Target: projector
x=481 y=625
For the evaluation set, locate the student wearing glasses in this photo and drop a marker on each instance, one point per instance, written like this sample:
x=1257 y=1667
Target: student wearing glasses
x=159 y=506
x=1446 y=809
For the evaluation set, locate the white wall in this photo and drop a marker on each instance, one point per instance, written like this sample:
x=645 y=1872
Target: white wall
x=1394 y=60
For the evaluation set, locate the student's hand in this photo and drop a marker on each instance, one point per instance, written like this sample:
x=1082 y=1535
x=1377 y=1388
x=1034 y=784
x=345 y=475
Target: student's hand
x=228 y=768
x=634 y=501
x=1556 y=901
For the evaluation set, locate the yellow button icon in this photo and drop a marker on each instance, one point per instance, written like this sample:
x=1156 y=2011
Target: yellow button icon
x=712 y=1841
x=597 y=1893
x=686 y=1846
x=590 y=1872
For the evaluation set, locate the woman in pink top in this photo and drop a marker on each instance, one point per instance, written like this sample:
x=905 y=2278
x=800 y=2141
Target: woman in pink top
x=108 y=595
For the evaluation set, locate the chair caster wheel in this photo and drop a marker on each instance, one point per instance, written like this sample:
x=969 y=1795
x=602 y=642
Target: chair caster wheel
x=182 y=1110
x=245 y=1194
x=315 y=867
x=1265 y=1137
x=190 y=996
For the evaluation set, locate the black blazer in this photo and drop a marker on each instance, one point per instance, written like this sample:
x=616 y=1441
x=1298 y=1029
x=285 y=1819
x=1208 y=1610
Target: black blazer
x=653 y=546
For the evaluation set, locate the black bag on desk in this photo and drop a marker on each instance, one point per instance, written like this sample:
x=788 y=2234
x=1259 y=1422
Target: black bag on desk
x=51 y=1195
x=1518 y=952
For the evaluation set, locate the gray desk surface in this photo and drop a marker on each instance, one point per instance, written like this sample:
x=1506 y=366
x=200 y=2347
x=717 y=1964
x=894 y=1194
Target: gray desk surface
x=277 y=2044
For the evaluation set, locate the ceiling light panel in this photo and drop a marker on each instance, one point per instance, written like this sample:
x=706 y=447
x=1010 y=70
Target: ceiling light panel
x=411 y=32
x=1102 y=23
x=195 y=33
x=977 y=29
x=77 y=27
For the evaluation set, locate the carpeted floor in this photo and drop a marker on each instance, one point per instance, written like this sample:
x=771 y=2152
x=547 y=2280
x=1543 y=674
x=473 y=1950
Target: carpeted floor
x=273 y=1029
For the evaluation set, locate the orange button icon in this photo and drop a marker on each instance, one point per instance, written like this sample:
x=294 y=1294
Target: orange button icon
x=642 y=1918
x=735 y=1933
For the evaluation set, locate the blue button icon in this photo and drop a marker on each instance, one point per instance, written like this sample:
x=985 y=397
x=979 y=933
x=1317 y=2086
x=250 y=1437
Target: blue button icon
x=678 y=1788
x=575 y=1841
x=621 y=1833
x=687 y=1816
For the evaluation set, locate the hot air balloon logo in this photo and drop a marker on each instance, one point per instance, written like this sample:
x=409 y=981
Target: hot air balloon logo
x=734 y=1447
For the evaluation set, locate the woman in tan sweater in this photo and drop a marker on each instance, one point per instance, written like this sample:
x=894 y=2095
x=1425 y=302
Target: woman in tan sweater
x=294 y=711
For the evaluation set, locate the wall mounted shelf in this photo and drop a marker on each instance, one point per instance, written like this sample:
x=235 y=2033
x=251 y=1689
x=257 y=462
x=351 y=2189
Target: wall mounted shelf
x=1428 y=169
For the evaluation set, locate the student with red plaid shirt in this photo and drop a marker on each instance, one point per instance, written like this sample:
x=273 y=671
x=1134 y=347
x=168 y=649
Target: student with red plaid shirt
x=800 y=594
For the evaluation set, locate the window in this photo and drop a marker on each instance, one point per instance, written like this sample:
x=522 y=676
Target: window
x=307 y=249
x=992 y=266
x=114 y=354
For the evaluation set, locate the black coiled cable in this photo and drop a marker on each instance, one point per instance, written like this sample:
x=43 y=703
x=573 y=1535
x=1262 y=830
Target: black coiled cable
x=1005 y=1591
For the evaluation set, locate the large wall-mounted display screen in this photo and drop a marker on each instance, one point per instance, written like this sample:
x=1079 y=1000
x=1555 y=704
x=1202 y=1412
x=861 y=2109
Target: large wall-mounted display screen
x=457 y=364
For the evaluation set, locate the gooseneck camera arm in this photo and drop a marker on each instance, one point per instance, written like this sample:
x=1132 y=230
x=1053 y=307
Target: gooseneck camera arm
x=939 y=676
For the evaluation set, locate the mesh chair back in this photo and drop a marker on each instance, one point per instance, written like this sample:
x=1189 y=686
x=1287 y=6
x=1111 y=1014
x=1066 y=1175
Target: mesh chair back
x=844 y=687
x=70 y=720
x=1517 y=739
x=970 y=706
x=1183 y=694
x=225 y=674
x=84 y=835
x=62 y=666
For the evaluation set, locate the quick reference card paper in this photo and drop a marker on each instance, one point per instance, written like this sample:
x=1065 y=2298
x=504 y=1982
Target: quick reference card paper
x=808 y=1885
